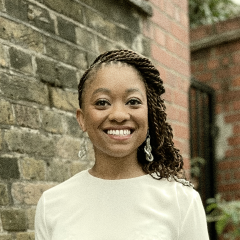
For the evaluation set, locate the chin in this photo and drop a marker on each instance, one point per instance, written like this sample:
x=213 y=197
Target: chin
x=116 y=153
x=120 y=154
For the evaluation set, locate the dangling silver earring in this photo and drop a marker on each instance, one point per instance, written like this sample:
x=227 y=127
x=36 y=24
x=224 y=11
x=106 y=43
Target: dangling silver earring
x=82 y=153
x=148 y=149
x=83 y=150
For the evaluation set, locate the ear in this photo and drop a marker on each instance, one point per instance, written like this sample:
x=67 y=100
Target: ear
x=80 y=119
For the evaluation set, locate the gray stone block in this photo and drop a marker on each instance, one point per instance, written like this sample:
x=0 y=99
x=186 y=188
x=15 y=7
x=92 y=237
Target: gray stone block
x=100 y=23
x=22 y=35
x=4 y=199
x=25 y=236
x=46 y=71
x=27 y=116
x=17 y=9
x=31 y=218
x=85 y=39
x=20 y=60
x=1 y=9
x=40 y=18
x=14 y=220
x=32 y=169
x=66 y=29
x=68 y=148
x=1 y=139
x=30 y=143
x=6 y=116
x=3 y=57
x=66 y=53
x=119 y=11
x=67 y=77
x=23 y=89
x=9 y=168
x=65 y=100
x=68 y=8
x=28 y=193
x=55 y=74
x=73 y=128
x=5 y=237
x=57 y=171
x=103 y=45
x=52 y=122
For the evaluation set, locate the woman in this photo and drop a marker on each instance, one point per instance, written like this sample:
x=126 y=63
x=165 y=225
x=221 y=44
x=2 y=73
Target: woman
x=136 y=189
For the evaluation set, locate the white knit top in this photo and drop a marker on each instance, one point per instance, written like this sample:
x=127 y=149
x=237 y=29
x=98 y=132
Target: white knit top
x=89 y=208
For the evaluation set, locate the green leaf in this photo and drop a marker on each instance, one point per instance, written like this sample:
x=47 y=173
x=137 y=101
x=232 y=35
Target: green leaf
x=221 y=224
x=210 y=207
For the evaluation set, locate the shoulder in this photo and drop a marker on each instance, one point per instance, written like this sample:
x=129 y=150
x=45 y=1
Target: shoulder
x=185 y=189
x=180 y=189
x=186 y=194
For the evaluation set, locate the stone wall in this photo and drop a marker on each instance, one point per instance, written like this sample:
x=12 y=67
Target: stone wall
x=215 y=52
x=45 y=45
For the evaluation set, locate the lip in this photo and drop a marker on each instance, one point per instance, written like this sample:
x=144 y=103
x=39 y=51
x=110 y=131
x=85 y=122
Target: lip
x=118 y=128
x=119 y=137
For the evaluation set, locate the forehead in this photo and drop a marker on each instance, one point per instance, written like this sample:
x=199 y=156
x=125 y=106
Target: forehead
x=114 y=76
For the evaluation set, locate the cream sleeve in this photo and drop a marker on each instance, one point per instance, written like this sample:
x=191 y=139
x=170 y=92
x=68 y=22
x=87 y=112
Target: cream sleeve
x=193 y=224
x=41 y=231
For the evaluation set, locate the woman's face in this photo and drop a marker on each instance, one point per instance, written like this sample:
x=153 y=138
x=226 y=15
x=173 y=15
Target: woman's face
x=114 y=111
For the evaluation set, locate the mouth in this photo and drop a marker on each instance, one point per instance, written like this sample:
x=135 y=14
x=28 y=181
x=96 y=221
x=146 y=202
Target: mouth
x=119 y=132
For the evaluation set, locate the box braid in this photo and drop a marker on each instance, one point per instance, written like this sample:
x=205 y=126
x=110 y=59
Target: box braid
x=168 y=162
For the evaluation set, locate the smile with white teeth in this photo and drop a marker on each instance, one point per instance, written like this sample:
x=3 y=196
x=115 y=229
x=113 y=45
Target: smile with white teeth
x=119 y=132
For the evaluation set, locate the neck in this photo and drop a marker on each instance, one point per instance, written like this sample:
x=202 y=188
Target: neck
x=107 y=167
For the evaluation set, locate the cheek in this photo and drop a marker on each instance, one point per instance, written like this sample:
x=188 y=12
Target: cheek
x=145 y=115
x=92 y=119
x=142 y=118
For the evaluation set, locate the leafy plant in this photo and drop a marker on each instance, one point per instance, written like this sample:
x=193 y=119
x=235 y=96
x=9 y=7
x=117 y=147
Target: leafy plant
x=196 y=165
x=202 y=12
x=226 y=216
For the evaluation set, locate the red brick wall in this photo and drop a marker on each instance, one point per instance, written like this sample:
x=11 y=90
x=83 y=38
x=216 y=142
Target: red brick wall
x=215 y=60
x=168 y=31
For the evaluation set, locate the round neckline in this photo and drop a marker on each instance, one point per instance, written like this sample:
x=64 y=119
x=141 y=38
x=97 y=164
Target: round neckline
x=116 y=180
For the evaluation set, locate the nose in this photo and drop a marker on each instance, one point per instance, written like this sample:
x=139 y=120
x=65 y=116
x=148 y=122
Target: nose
x=119 y=113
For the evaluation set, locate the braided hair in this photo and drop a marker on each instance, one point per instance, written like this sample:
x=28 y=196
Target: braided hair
x=168 y=162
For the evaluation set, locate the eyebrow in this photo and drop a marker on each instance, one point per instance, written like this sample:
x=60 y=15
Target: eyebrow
x=131 y=90
x=106 y=90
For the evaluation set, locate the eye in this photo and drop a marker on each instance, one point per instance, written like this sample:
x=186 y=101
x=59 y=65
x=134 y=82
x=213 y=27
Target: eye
x=102 y=103
x=134 y=102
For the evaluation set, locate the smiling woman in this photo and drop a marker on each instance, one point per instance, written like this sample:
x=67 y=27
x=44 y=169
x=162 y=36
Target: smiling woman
x=136 y=189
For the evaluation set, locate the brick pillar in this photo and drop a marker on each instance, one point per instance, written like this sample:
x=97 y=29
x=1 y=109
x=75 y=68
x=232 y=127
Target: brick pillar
x=168 y=32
